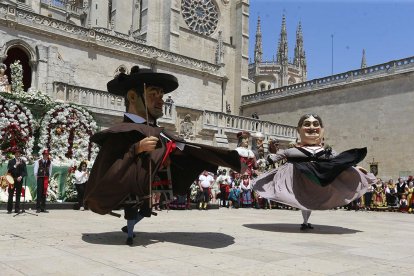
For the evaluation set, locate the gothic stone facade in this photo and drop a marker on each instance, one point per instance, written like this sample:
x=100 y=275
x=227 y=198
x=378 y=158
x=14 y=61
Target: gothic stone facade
x=203 y=43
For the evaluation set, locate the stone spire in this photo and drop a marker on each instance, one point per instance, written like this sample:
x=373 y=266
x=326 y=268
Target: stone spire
x=363 y=61
x=258 y=49
x=300 y=58
x=282 y=51
x=282 y=54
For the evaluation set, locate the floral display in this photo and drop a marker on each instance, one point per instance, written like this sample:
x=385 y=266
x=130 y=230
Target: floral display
x=16 y=128
x=16 y=77
x=37 y=97
x=65 y=131
x=70 y=190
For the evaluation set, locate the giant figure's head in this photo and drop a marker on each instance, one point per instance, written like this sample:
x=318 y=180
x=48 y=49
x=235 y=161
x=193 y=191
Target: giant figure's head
x=143 y=90
x=310 y=128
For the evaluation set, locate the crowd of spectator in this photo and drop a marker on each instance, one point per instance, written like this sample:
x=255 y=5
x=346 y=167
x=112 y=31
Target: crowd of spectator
x=232 y=190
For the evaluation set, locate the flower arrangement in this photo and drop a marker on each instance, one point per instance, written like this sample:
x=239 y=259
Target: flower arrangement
x=70 y=190
x=66 y=130
x=16 y=77
x=16 y=128
x=36 y=97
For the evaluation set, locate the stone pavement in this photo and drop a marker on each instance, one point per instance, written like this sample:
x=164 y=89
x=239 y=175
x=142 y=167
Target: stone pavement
x=213 y=242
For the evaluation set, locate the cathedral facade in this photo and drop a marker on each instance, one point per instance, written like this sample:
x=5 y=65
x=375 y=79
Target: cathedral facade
x=269 y=74
x=86 y=43
x=70 y=49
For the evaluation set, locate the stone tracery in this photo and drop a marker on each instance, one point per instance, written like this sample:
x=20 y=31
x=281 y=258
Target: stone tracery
x=200 y=15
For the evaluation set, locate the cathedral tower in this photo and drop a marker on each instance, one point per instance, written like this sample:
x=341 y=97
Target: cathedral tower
x=270 y=74
x=258 y=49
x=299 y=59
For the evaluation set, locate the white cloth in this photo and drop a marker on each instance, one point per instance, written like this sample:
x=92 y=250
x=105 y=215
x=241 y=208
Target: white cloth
x=205 y=181
x=81 y=177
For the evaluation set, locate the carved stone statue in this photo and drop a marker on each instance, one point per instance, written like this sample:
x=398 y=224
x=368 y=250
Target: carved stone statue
x=4 y=80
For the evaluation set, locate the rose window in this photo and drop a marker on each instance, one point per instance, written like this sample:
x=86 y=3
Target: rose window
x=201 y=16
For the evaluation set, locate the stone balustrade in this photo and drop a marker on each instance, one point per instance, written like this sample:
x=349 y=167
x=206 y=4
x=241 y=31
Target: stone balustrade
x=95 y=100
x=233 y=123
x=392 y=67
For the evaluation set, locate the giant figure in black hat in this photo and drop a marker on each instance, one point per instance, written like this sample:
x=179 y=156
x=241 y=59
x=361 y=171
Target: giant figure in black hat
x=134 y=151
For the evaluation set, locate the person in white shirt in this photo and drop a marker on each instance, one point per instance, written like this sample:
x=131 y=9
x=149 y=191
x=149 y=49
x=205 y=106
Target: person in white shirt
x=205 y=181
x=81 y=177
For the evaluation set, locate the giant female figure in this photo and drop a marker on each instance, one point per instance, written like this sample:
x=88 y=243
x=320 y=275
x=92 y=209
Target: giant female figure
x=314 y=177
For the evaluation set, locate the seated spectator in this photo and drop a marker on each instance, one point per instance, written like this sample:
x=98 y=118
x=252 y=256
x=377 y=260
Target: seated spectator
x=403 y=204
x=246 y=189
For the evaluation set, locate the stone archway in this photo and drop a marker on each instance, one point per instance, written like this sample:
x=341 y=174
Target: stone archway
x=16 y=53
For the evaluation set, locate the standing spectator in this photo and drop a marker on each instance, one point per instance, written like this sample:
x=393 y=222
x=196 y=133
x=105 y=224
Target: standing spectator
x=234 y=194
x=168 y=105
x=391 y=193
x=401 y=184
x=224 y=183
x=246 y=189
x=379 y=199
x=42 y=172
x=256 y=124
x=17 y=168
x=368 y=197
x=81 y=178
x=205 y=181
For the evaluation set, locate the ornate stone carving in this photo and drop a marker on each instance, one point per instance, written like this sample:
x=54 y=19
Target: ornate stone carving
x=187 y=128
x=113 y=39
x=201 y=16
x=220 y=50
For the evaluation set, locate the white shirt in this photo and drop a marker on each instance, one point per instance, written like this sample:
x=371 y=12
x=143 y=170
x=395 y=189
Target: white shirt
x=36 y=167
x=81 y=177
x=205 y=181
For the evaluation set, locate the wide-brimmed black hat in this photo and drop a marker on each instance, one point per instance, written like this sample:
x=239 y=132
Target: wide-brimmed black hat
x=122 y=83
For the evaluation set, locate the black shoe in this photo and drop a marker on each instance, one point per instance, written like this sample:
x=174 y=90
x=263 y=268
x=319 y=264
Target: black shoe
x=17 y=211
x=303 y=226
x=310 y=226
x=37 y=211
x=125 y=230
x=129 y=241
x=9 y=212
x=44 y=211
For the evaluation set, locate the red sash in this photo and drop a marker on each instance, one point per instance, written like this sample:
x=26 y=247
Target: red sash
x=45 y=184
x=170 y=148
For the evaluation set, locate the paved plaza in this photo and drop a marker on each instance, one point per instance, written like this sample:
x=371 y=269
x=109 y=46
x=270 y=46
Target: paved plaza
x=213 y=242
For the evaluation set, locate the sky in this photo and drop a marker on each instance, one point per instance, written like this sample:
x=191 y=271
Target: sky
x=384 y=28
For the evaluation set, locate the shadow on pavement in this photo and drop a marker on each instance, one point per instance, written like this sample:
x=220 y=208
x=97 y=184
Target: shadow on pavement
x=204 y=239
x=294 y=228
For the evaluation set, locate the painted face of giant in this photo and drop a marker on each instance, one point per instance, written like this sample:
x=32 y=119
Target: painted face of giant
x=311 y=131
x=154 y=101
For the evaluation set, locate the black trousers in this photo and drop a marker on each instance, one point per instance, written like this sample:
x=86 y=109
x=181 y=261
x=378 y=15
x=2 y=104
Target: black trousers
x=18 y=189
x=205 y=198
x=40 y=195
x=80 y=188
